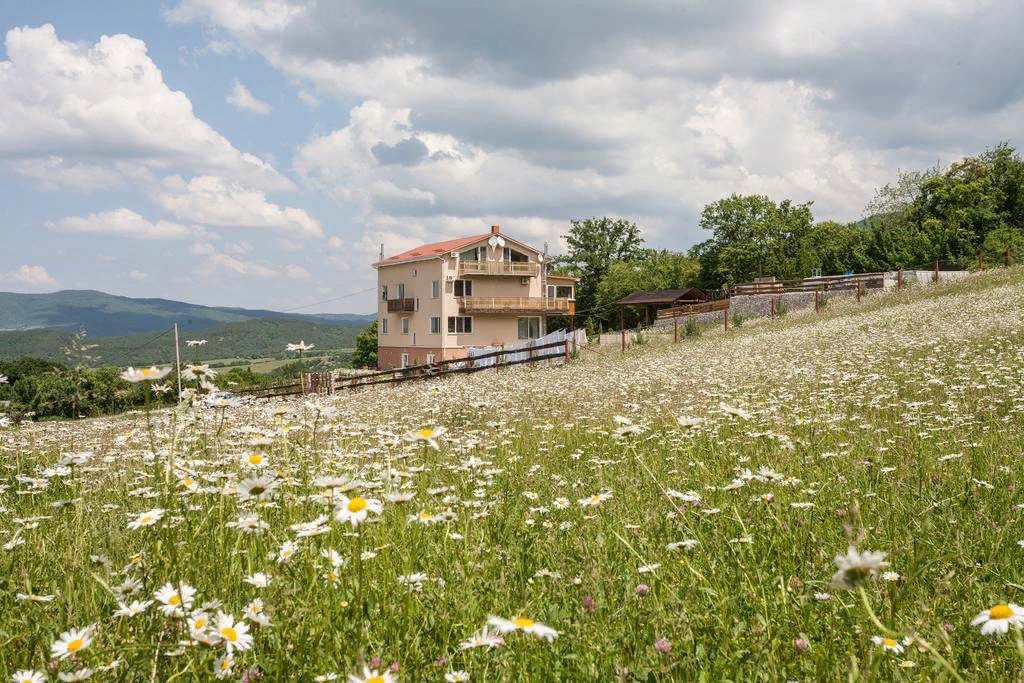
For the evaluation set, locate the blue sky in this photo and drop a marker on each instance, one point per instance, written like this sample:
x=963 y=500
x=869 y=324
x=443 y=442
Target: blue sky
x=257 y=152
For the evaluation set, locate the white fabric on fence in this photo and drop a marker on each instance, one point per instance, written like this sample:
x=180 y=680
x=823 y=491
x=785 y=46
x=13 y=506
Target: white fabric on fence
x=521 y=352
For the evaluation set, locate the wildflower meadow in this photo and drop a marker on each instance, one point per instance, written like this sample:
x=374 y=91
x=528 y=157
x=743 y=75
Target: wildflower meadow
x=823 y=497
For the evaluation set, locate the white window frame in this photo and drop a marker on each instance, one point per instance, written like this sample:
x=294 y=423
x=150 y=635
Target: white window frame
x=553 y=292
x=383 y=325
x=453 y=322
x=466 y=284
x=405 y=360
x=430 y=359
x=519 y=331
x=435 y=319
x=435 y=289
x=405 y=326
x=400 y=290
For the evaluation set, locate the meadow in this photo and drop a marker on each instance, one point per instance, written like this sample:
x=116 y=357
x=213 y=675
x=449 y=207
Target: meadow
x=671 y=514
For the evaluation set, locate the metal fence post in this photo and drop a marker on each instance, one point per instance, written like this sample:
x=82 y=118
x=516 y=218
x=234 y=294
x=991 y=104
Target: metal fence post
x=675 y=337
x=773 y=307
x=726 y=318
x=936 y=271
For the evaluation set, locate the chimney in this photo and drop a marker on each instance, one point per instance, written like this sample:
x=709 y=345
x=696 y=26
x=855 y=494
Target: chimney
x=495 y=230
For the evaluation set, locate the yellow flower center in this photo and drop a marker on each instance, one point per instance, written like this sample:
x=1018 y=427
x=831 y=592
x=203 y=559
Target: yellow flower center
x=145 y=372
x=199 y=624
x=146 y=520
x=357 y=504
x=375 y=679
x=889 y=642
x=333 y=576
x=224 y=664
x=523 y=623
x=425 y=515
x=174 y=600
x=426 y=432
x=1000 y=612
x=595 y=499
x=255 y=459
x=229 y=633
x=75 y=645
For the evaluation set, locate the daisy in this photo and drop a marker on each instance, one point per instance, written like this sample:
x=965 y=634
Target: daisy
x=369 y=676
x=523 y=624
x=143 y=374
x=234 y=635
x=648 y=568
x=999 y=618
x=355 y=510
x=222 y=667
x=198 y=625
x=688 y=544
x=313 y=528
x=288 y=549
x=146 y=519
x=28 y=676
x=887 y=644
x=248 y=523
x=259 y=579
x=71 y=642
x=595 y=500
x=855 y=568
x=133 y=609
x=254 y=613
x=456 y=677
x=35 y=598
x=258 y=488
x=428 y=434
x=79 y=675
x=175 y=601
x=483 y=638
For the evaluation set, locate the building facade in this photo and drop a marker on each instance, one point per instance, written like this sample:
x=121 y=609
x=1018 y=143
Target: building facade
x=437 y=300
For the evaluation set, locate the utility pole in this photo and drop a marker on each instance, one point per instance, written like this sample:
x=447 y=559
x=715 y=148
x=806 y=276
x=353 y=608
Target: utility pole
x=177 y=358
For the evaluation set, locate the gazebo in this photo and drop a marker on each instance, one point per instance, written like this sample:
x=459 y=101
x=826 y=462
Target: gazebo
x=661 y=298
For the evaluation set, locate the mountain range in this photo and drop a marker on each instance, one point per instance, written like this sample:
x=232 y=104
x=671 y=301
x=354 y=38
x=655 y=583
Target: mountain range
x=107 y=315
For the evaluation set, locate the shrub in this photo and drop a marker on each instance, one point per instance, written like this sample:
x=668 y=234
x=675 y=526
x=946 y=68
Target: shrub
x=780 y=307
x=737 y=320
x=691 y=330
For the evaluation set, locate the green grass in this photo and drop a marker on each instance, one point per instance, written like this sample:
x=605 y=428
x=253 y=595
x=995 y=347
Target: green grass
x=853 y=410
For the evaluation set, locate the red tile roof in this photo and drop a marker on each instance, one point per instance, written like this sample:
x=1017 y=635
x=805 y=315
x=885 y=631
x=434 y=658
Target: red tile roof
x=435 y=249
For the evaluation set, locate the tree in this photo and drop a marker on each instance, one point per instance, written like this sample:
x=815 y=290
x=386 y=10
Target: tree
x=753 y=236
x=594 y=245
x=652 y=270
x=366 y=348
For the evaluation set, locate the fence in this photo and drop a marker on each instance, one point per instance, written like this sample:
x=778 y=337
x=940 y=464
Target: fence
x=692 y=309
x=812 y=284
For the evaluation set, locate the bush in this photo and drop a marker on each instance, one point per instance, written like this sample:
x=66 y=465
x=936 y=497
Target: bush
x=780 y=307
x=691 y=330
x=737 y=320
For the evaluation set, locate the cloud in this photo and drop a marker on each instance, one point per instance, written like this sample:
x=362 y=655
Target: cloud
x=241 y=98
x=137 y=275
x=31 y=277
x=220 y=263
x=309 y=100
x=294 y=272
x=124 y=223
x=215 y=201
x=54 y=174
x=108 y=101
x=530 y=115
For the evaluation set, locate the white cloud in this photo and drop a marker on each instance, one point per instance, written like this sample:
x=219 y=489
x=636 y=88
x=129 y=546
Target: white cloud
x=137 y=275
x=220 y=263
x=31 y=277
x=295 y=272
x=202 y=249
x=108 y=100
x=309 y=100
x=123 y=223
x=241 y=98
x=214 y=201
x=55 y=173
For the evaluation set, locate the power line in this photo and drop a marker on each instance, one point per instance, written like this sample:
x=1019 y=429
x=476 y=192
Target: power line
x=327 y=301
x=147 y=343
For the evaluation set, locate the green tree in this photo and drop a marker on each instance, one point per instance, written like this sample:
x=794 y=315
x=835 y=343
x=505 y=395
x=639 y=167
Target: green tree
x=753 y=236
x=365 y=355
x=653 y=269
x=594 y=245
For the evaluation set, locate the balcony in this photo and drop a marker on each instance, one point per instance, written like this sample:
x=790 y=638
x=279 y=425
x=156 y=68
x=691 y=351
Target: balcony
x=400 y=305
x=520 y=268
x=516 y=304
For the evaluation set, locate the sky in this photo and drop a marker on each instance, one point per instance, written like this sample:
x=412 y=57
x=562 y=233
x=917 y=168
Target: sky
x=257 y=153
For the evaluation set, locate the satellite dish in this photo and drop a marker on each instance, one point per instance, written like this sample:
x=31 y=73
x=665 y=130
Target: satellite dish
x=493 y=241
x=501 y=241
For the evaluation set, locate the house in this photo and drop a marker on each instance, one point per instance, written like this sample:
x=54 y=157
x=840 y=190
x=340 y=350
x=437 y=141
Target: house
x=437 y=300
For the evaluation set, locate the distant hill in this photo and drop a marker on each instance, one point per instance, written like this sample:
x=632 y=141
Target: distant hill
x=246 y=339
x=107 y=315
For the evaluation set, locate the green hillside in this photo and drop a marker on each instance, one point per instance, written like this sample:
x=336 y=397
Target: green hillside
x=247 y=339
x=106 y=315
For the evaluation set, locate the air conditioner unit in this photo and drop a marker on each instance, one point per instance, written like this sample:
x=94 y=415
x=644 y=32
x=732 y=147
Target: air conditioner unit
x=449 y=278
x=524 y=280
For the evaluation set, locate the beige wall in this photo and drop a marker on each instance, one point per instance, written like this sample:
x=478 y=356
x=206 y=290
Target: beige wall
x=488 y=329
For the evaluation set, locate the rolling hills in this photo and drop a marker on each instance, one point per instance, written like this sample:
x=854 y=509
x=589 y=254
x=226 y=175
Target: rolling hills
x=107 y=315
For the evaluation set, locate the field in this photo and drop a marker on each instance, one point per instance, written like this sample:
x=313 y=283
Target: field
x=672 y=514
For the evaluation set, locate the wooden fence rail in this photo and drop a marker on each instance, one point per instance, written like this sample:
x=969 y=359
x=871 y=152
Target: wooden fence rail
x=692 y=309
x=814 y=284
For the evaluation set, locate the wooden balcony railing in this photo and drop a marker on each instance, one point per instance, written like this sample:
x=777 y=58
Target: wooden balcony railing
x=400 y=305
x=515 y=304
x=520 y=268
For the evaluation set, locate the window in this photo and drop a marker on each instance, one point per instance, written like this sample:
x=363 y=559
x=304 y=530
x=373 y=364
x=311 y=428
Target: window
x=529 y=328
x=430 y=359
x=435 y=325
x=416 y=307
x=513 y=256
x=405 y=326
x=460 y=324
x=463 y=288
x=401 y=291
x=384 y=293
x=435 y=289
x=414 y=272
x=474 y=254
x=405 y=360
x=383 y=325
x=559 y=292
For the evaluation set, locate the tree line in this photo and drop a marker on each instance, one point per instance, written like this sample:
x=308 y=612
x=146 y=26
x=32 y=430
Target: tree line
x=974 y=207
